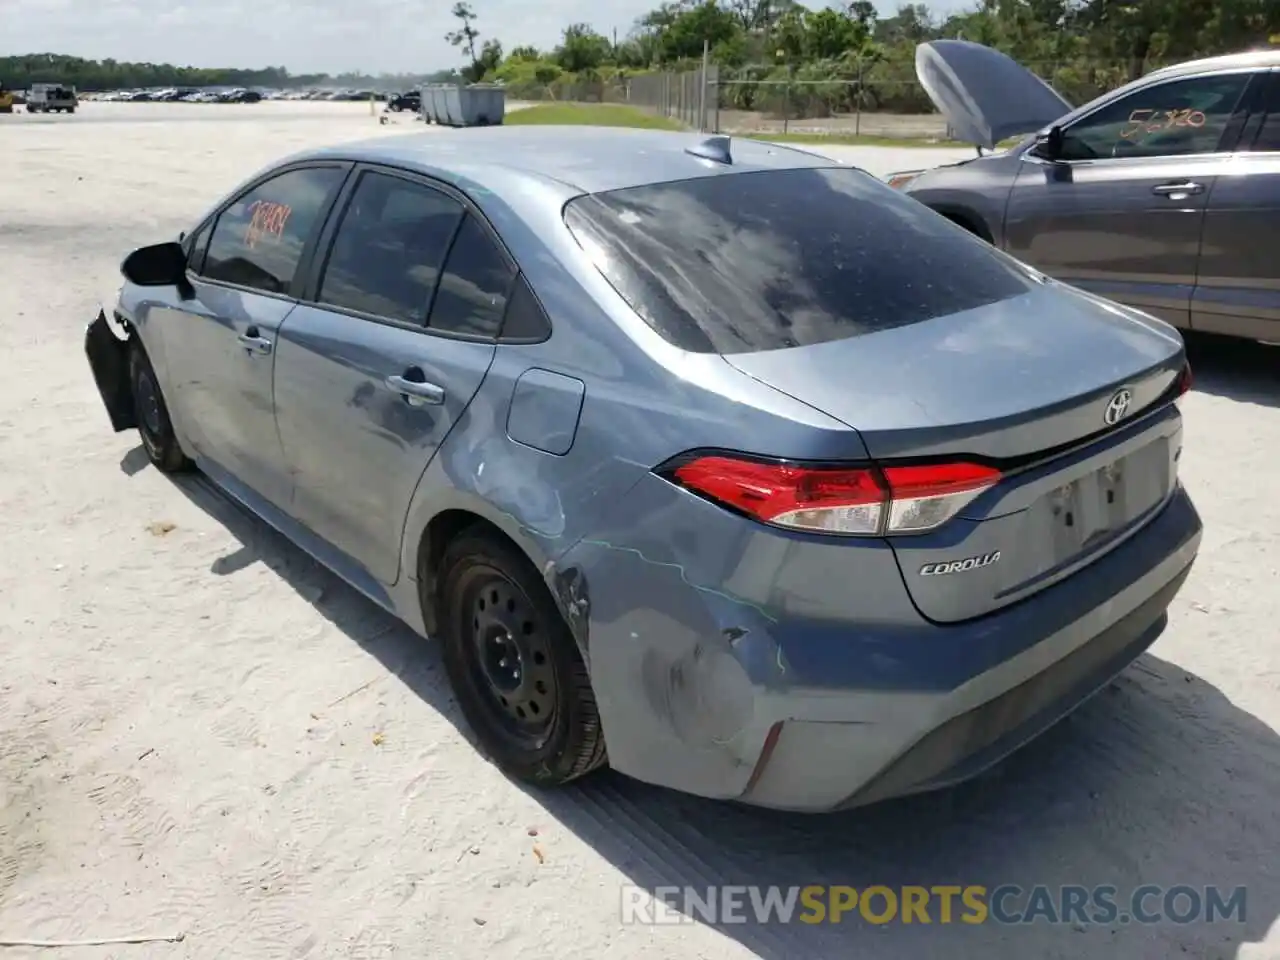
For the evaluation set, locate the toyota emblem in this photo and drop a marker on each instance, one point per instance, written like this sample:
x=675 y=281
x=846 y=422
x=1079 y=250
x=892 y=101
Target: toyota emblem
x=1117 y=407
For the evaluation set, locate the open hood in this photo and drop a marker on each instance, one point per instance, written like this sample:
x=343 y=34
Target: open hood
x=985 y=96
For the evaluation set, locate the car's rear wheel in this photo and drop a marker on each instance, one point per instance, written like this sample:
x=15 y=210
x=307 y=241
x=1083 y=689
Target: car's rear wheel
x=514 y=666
x=152 y=415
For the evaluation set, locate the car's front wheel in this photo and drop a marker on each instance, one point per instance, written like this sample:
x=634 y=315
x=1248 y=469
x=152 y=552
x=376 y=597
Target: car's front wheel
x=514 y=666
x=152 y=416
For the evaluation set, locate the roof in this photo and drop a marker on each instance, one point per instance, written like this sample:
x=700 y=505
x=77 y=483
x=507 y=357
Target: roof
x=1252 y=59
x=588 y=159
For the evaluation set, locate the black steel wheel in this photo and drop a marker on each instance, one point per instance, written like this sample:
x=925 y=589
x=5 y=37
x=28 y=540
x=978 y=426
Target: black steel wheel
x=154 y=427
x=514 y=665
x=508 y=656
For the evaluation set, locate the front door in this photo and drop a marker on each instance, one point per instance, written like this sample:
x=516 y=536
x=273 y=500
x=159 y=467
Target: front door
x=1238 y=283
x=1120 y=210
x=374 y=373
x=221 y=344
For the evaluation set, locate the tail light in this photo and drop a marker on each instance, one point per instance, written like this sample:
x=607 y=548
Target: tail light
x=1184 y=379
x=849 y=500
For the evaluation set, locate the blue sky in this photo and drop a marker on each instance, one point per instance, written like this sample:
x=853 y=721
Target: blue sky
x=303 y=35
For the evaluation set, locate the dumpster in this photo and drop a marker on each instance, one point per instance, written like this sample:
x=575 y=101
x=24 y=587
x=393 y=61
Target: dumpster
x=435 y=109
x=484 y=104
x=455 y=105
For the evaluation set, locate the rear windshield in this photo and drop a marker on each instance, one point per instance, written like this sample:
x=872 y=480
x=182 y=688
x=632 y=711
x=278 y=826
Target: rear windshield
x=784 y=258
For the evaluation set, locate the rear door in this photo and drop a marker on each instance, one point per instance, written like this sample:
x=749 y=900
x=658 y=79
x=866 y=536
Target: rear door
x=1238 y=281
x=375 y=370
x=1120 y=211
x=220 y=344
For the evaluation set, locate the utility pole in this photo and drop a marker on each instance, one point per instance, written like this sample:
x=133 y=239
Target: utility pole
x=702 y=94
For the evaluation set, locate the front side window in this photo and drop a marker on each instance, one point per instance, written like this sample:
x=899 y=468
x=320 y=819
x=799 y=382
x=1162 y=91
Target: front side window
x=1176 y=118
x=257 y=241
x=388 y=249
x=196 y=247
x=770 y=259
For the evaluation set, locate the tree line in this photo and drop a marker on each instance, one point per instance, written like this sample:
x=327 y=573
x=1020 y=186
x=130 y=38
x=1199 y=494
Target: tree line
x=845 y=56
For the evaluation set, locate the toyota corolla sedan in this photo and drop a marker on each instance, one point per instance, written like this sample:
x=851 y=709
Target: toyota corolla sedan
x=1163 y=194
x=716 y=462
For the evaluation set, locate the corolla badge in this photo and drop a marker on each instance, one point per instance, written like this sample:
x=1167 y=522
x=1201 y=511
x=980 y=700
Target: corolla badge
x=1117 y=407
x=959 y=566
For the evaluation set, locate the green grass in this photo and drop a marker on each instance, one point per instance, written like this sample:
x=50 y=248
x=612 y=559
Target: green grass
x=589 y=115
x=621 y=115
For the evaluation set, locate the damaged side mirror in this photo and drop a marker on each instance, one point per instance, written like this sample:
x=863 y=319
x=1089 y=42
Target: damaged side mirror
x=158 y=265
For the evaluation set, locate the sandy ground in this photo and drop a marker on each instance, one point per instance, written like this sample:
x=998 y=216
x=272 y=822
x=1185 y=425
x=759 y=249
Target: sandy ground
x=202 y=732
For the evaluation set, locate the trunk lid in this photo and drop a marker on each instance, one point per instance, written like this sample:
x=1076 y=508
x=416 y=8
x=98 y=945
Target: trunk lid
x=1024 y=383
x=984 y=95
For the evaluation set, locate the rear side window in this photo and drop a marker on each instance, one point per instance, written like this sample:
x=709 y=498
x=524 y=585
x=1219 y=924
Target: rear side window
x=387 y=251
x=258 y=240
x=473 y=290
x=525 y=319
x=784 y=258
x=1268 y=139
x=1269 y=134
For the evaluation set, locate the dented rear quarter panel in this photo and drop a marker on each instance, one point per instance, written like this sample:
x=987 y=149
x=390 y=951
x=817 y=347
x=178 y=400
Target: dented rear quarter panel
x=643 y=402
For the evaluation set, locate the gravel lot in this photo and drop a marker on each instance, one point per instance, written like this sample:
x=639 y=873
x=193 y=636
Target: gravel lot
x=202 y=732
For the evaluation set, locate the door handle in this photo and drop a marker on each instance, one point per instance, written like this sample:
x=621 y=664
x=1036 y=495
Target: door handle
x=1177 y=191
x=254 y=343
x=417 y=392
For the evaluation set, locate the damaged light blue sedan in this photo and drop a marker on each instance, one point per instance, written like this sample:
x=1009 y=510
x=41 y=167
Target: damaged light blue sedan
x=718 y=463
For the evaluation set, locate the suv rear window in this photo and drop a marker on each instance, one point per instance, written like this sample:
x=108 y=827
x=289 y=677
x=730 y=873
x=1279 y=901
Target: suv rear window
x=743 y=262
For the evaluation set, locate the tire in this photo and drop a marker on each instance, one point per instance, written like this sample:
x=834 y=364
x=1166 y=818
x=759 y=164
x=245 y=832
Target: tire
x=967 y=224
x=514 y=665
x=154 y=428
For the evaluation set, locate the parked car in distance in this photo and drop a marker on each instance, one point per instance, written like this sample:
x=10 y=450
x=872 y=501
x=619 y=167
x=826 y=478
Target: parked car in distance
x=411 y=100
x=1163 y=194
x=719 y=462
x=51 y=98
x=239 y=96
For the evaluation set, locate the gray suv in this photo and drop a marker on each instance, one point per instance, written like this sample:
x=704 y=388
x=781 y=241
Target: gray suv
x=1163 y=194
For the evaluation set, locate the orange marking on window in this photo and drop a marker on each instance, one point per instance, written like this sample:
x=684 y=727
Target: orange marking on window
x=266 y=219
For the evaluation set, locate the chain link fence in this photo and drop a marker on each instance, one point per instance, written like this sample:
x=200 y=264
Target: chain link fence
x=682 y=96
x=879 y=98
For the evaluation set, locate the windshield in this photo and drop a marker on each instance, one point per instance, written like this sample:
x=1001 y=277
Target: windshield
x=771 y=259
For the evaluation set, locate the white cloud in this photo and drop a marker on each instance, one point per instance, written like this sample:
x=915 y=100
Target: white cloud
x=304 y=35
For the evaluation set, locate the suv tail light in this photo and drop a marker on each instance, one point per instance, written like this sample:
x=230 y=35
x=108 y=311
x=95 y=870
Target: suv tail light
x=849 y=500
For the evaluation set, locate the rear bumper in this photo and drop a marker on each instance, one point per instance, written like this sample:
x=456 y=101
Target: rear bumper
x=981 y=736
x=737 y=692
